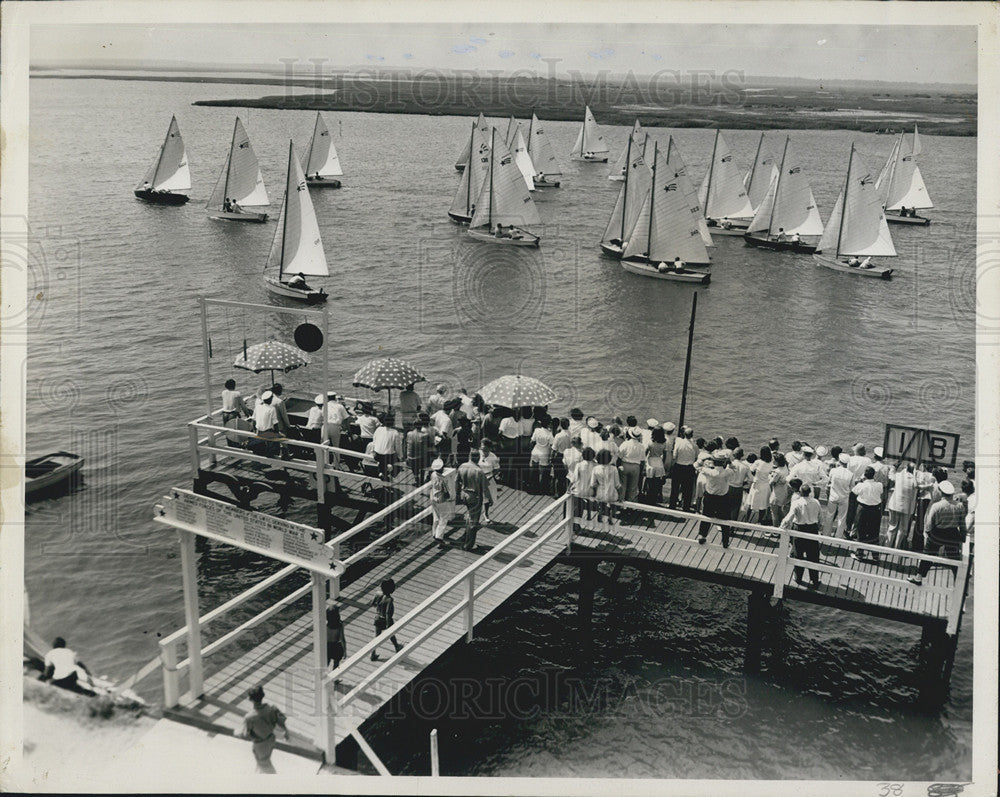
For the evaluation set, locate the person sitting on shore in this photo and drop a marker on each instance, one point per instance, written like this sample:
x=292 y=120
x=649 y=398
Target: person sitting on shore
x=63 y=668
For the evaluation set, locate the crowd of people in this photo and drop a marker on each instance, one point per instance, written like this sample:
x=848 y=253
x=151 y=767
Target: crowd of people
x=605 y=463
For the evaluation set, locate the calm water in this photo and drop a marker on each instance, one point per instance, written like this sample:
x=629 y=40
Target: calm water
x=782 y=346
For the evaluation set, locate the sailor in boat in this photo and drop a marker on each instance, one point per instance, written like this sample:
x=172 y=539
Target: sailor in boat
x=795 y=238
x=63 y=668
x=780 y=237
x=666 y=268
x=853 y=261
x=867 y=263
x=727 y=224
x=616 y=242
x=299 y=281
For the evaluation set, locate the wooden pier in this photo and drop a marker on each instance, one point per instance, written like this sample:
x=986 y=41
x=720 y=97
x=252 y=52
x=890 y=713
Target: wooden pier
x=442 y=594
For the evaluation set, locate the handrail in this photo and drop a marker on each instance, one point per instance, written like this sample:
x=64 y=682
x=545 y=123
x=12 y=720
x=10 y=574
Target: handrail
x=447 y=587
x=381 y=514
x=357 y=556
x=447 y=617
x=293 y=441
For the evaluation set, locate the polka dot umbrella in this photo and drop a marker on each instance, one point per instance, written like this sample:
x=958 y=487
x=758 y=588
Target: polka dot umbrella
x=514 y=390
x=271 y=355
x=387 y=373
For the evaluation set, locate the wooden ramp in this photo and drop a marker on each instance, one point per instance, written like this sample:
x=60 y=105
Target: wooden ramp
x=283 y=663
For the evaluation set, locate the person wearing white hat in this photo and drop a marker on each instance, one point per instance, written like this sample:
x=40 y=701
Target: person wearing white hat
x=809 y=470
x=901 y=505
x=682 y=475
x=336 y=416
x=944 y=529
x=265 y=417
x=841 y=481
x=647 y=433
x=881 y=472
x=631 y=453
x=437 y=400
x=313 y=429
x=441 y=497
x=590 y=434
x=869 y=495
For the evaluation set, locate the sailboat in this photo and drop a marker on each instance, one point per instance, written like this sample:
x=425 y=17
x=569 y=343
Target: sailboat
x=787 y=212
x=902 y=186
x=322 y=165
x=722 y=196
x=504 y=207
x=674 y=169
x=630 y=201
x=240 y=183
x=760 y=175
x=169 y=177
x=514 y=140
x=590 y=145
x=542 y=155
x=857 y=227
x=463 y=205
x=636 y=134
x=296 y=249
x=463 y=158
x=665 y=237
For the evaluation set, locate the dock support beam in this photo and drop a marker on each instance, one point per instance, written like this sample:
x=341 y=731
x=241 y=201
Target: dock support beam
x=192 y=617
x=325 y=726
x=346 y=754
x=937 y=655
x=588 y=581
x=760 y=614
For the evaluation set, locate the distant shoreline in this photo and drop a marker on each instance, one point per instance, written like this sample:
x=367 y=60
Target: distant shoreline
x=731 y=107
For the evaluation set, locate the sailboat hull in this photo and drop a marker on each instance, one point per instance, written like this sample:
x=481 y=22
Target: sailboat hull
x=612 y=250
x=591 y=158
x=546 y=183
x=458 y=218
x=893 y=217
x=279 y=288
x=459 y=167
x=779 y=246
x=645 y=269
x=616 y=178
x=222 y=215
x=322 y=182
x=526 y=239
x=160 y=197
x=736 y=227
x=839 y=265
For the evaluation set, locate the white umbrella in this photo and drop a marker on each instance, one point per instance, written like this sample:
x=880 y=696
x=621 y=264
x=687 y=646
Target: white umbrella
x=514 y=390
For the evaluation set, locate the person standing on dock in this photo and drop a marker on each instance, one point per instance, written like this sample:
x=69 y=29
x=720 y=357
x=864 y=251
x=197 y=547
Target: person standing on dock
x=804 y=513
x=416 y=451
x=810 y=470
x=336 y=416
x=841 y=481
x=233 y=405
x=759 y=496
x=632 y=453
x=945 y=530
x=313 y=430
x=440 y=498
x=387 y=446
x=606 y=485
x=472 y=488
x=259 y=725
x=385 y=607
x=336 y=642
x=409 y=406
x=901 y=505
x=437 y=400
x=489 y=463
x=654 y=468
x=869 y=497
x=561 y=442
x=857 y=464
x=713 y=491
x=682 y=475
x=779 y=502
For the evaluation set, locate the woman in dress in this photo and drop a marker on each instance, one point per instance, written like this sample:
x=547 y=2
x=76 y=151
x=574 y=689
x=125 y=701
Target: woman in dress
x=336 y=644
x=489 y=464
x=540 y=459
x=606 y=484
x=579 y=482
x=780 y=498
x=656 y=473
x=759 y=497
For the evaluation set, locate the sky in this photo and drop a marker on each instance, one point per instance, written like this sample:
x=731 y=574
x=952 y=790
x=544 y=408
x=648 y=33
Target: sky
x=924 y=54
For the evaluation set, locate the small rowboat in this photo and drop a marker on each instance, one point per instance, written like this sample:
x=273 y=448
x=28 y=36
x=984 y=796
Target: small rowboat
x=52 y=470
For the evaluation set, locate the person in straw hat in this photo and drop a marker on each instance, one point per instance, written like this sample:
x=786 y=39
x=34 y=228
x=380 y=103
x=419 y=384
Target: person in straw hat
x=441 y=499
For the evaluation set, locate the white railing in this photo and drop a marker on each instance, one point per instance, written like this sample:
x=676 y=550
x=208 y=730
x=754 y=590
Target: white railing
x=470 y=592
x=784 y=562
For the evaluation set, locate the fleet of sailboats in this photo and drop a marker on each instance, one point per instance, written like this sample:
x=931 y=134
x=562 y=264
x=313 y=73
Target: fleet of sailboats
x=901 y=186
x=240 y=184
x=167 y=180
x=787 y=215
x=857 y=227
x=296 y=249
x=504 y=207
x=322 y=165
x=590 y=145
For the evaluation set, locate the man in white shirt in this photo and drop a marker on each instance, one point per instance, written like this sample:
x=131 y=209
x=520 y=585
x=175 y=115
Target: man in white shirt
x=632 y=452
x=682 y=475
x=265 y=418
x=233 y=405
x=869 y=498
x=540 y=459
x=881 y=471
x=804 y=513
x=713 y=491
x=336 y=416
x=62 y=668
x=856 y=464
x=795 y=456
x=809 y=470
x=437 y=400
x=560 y=443
x=576 y=422
x=387 y=445
x=313 y=430
x=590 y=435
x=841 y=482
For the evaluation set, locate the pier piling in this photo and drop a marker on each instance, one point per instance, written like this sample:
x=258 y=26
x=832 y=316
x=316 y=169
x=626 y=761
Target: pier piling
x=588 y=581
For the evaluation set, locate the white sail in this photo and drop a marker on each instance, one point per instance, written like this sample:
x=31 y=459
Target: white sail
x=522 y=158
x=792 y=205
x=463 y=158
x=674 y=169
x=244 y=182
x=540 y=150
x=504 y=198
x=591 y=137
x=170 y=172
x=630 y=198
x=863 y=229
x=828 y=242
x=903 y=184
x=637 y=136
x=468 y=188
x=916 y=148
x=297 y=247
x=508 y=138
x=322 y=158
x=722 y=194
x=885 y=175
x=218 y=197
x=758 y=178
x=761 y=221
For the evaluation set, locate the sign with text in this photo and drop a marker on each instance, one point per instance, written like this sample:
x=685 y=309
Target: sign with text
x=920 y=445
x=271 y=536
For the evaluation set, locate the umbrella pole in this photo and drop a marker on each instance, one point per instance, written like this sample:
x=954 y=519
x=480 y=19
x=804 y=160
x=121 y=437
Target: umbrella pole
x=389 y=399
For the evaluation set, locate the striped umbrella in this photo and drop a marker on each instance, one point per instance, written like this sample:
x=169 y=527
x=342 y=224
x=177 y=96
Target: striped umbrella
x=515 y=390
x=271 y=355
x=387 y=373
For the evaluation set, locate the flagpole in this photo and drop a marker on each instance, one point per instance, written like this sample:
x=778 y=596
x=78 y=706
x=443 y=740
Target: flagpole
x=687 y=360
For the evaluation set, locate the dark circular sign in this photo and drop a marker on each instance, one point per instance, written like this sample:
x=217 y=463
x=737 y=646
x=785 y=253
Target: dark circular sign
x=308 y=337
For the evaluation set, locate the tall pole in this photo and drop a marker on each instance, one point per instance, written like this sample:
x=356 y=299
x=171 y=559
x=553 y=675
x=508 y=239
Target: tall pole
x=628 y=168
x=777 y=187
x=687 y=360
x=843 y=209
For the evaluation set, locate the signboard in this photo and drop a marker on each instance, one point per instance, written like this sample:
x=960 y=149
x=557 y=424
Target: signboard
x=937 y=449
x=285 y=540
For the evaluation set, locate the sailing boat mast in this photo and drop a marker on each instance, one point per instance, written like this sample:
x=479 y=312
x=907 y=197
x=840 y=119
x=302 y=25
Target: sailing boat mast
x=229 y=164
x=583 y=141
x=892 y=169
x=163 y=146
x=284 y=224
x=711 y=168
x=468 y=168
x=652 y=196
x=753 y=168
x=777 y=187
x=493 y=141
x=312 y=143
x=628 y=164
x=843 y=210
